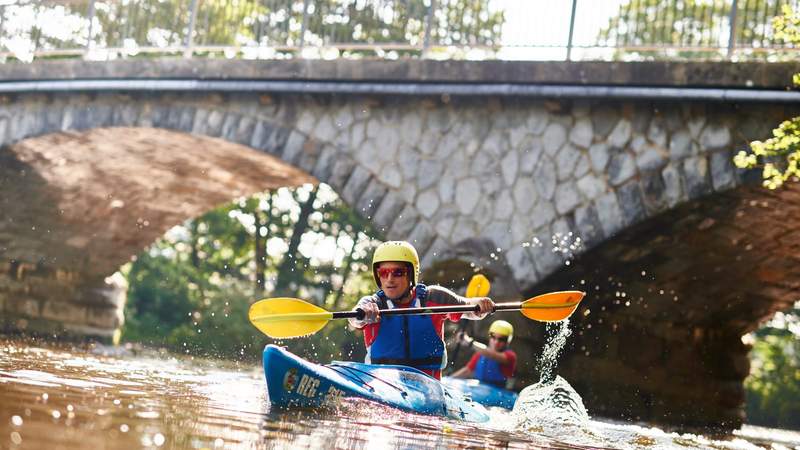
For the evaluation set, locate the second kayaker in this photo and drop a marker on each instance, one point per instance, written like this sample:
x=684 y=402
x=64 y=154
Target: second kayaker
x=408 y=340
x=493 y=364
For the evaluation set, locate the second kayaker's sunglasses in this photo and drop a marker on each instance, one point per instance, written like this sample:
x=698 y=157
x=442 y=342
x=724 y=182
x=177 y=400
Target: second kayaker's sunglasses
x=397 y=273
x=498 y=337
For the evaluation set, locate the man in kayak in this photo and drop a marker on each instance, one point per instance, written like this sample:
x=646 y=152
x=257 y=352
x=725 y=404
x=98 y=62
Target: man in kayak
x=493 y=364
x=408 y=340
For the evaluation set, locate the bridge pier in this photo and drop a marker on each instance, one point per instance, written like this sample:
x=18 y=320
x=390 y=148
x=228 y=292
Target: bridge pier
x=38 y=299
x=692 y=380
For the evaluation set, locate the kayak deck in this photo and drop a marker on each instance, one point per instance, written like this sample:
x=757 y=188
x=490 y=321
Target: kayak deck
x=295 y=382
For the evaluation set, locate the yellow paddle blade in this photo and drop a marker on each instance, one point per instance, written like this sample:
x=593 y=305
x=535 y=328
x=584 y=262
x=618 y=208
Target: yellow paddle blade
x=553 y=306
x=286 y=317
x=478 y=286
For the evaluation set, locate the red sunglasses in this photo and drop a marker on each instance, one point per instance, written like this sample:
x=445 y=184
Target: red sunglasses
x=397 y=273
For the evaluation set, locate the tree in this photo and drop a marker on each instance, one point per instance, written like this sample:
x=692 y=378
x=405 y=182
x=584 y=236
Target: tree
x=289 y=270
x=269 y=23
x=191 y=290
x=778 y=156
x=701 y=26
x=454 y=22
x=773 y=387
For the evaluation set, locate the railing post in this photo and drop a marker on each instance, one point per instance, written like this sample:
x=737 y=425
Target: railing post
x=91 y=26
x=303 y=24
x=426 y=43
x=189 y=41
x=2 y=21
x=571 y=29
x=732 y=37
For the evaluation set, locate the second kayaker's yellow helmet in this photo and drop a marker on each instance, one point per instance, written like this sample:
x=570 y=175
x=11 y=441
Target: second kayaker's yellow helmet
x=502 y=328
x=400 y=251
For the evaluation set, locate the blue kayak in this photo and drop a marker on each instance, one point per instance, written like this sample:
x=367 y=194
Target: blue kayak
x=295 y=382
x=485 y=394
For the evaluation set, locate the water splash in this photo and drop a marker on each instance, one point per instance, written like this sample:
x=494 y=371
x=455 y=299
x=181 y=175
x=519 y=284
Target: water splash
x=556 y=334
x=549 y=405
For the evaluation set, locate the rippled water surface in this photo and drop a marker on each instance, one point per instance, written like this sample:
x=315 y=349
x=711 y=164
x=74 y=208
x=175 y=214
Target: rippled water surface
x=72 y=398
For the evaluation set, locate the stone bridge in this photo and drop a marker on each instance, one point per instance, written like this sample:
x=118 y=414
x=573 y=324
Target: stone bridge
x=612 y=178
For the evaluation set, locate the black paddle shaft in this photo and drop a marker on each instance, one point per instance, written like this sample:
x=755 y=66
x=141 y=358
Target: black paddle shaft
x=359 y=313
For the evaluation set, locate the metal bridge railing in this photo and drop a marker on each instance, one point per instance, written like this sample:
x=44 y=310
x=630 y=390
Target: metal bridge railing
x=472 y=29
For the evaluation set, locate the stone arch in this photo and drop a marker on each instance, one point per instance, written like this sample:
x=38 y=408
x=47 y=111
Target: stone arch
x=80 y=204
x=659 y=337
x=68 y=223
x=438 y=172
x=231 y=124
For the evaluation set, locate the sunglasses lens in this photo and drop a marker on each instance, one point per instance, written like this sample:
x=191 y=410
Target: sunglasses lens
x=397 y=273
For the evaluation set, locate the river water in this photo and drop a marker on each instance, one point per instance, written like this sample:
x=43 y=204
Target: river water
x=57 y=397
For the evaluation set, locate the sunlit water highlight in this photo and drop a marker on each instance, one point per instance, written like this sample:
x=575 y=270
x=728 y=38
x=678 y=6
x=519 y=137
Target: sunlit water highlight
x=73 y=398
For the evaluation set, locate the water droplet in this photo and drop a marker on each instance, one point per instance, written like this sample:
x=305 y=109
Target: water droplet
x=16 y=421
x=124 y=428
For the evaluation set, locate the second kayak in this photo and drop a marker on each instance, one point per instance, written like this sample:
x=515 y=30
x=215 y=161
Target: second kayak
x=485 y=394
x=295 y=382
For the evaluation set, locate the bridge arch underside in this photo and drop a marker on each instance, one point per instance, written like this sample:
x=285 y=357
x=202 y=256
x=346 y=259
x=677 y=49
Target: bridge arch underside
x=659 y=336
x=77 y=205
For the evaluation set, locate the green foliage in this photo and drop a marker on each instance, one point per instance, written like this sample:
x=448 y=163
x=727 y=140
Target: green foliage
x=190 y=292
x=773 y=387
x=778 y=156
x=278 y=24
x=456 y=22
x=787 y=25
x=688 y=29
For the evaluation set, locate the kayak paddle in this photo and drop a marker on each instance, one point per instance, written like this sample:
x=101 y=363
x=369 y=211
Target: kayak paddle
x=478 y=286
x=285 y=317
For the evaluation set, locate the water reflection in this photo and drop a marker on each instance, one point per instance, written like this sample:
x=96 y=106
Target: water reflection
x=72 y=399
x=68 y=398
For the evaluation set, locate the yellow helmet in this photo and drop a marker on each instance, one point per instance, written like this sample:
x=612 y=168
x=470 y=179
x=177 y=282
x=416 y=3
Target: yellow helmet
x=502 y=328
x=400 y=251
